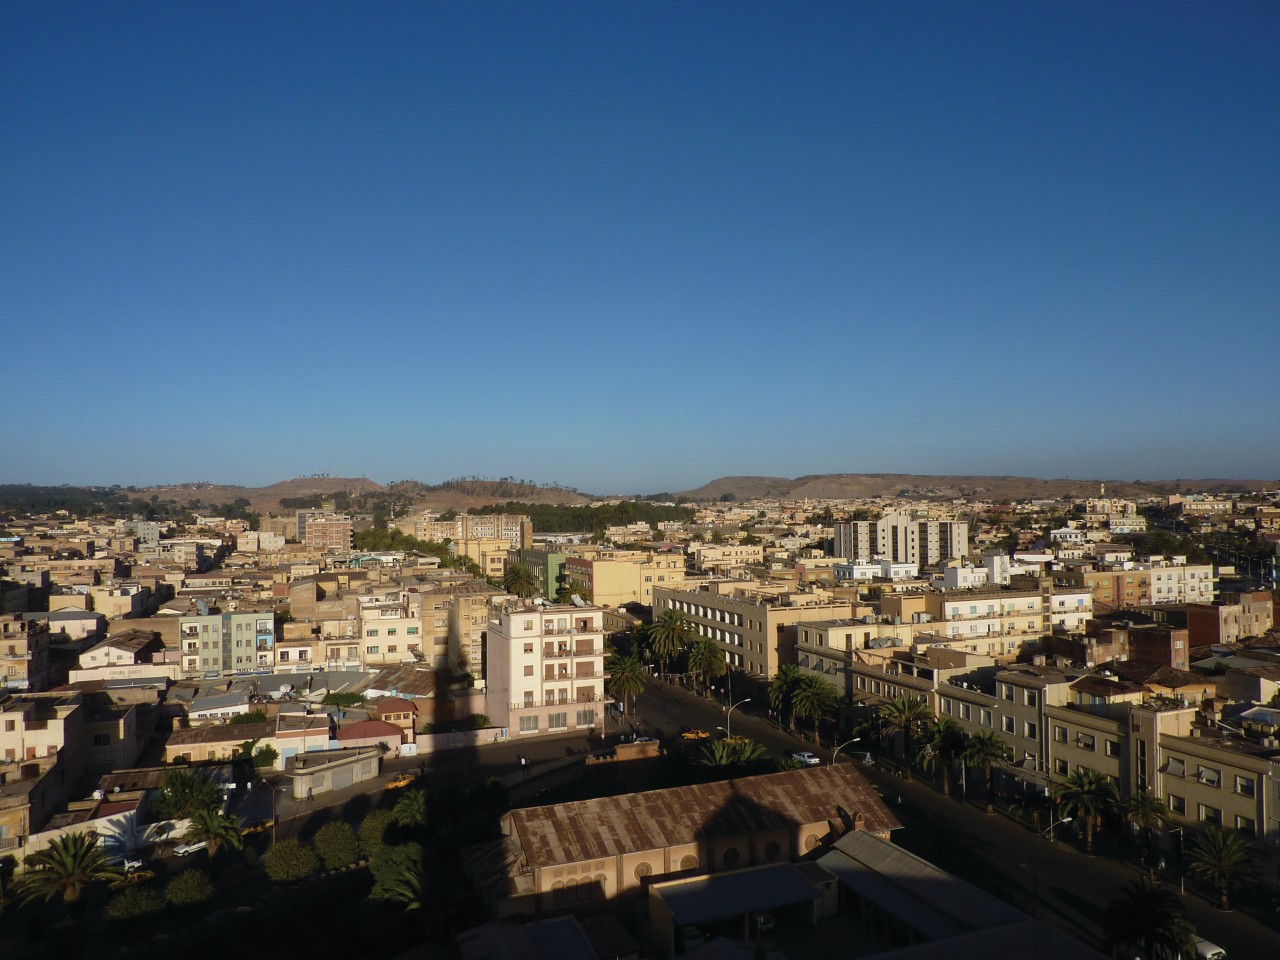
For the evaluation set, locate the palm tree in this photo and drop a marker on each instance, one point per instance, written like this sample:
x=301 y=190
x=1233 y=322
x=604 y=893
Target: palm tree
x=519 y=579
x=626 y=679
x=214 y=828
x=65 y=868
x=781 y=689
x=1152 y=917
x=567 y=589
x=706 y=660
x=946 y=743
x=398 y=875
x=814 y=697
x=1220 y=857
x=905 y=714
x=1086 y=795
x=410 y=810
x=668 y=635
x=739 y=752
x=985 y=750
x=1145 y=811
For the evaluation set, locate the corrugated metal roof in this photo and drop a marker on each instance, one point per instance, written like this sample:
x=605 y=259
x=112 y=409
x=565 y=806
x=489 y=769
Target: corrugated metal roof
x=655 y=819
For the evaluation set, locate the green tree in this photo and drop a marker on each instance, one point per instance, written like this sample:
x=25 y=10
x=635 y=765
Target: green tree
x=410 y=811
x=183 y=794
x=706 y=661
x=906 y=714
x=1220 y=857
x=216 y=829
x=814 y=698
x=519 y=579
x=65 y=869
x=1145 y=811
x=265 y=756
x=1148 y=916
x=374 y=831
x=945 y=743
x=253 y=716
x=781 y=689
x=290 y=860
x=738 y=752
x=133 y=903
x=985 y=750
x=189 y=887
x=669 y=635
x=626 y=679
x=398 y=875
x=1086 y=795
x=336 y=845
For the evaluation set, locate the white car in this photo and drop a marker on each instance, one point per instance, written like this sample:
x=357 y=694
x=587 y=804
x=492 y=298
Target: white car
x=805 y=757
x=183 y=849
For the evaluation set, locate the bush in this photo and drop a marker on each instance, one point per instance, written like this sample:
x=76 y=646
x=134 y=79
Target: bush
x=253 y=716
x=336 y=844
x=190 y=886
x=134 y=902
x=343 y=699
x=479 y=721
x=290 y=860
x=374 y=830
x=265 y=756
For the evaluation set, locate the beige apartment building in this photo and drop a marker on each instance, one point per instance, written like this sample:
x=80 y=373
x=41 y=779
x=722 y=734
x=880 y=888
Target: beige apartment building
x=488 y=553
x=24 y=654
x=1234 y=618
x=325 y=532
x=516 y=530
x=545 y=672
x=614 y=577
x=1028 y=607
x=754 y=626
x=726 y=559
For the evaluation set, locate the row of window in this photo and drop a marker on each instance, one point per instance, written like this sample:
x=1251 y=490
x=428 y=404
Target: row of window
x=391 y=632
x=1213 y=815
x=558 y=721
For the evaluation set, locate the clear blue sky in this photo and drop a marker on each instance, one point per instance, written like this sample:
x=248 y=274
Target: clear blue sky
x=636 y=246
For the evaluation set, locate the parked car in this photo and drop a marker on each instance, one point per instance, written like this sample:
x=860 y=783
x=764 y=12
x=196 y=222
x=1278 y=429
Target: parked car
x=257 y=826
x=1209 y=951
x=399 y=781
x=645 y=740
x=805 y=757
x=695 y=735
x=183 y=849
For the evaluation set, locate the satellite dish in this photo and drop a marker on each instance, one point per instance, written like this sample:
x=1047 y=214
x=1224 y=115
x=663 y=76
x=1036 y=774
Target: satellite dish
x=116 y=788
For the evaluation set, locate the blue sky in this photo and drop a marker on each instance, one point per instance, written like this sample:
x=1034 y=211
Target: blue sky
x=633 y=247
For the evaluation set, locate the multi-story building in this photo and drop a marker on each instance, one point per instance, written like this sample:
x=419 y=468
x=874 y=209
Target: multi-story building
x=390 y=631
x=871 y=570
x=325 y=531
x=903 y=538
x=612 y=578
x=1235 y=617
x=24 y=654
x=547 y=567
x=220 y=643
x=515 y=528
x=725 y=559
x=1027 y=607
x=753 y=627
x=545 y=669
x=488 y=553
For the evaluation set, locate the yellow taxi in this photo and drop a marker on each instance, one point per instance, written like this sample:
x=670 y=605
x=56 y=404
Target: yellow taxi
x=399 y=781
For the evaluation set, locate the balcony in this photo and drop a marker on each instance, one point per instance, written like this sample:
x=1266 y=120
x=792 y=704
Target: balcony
x=561 y=652
x=10 y=843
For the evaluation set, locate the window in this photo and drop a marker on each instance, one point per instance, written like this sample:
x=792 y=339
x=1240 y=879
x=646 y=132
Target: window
x=1176 y=767
x=1031 y=698
x=1059 y=734
x=1111 y=748
x=586 y=718
x=985 y=718
x=528 y=724
x=528 y=648
x=1178 y=805
x=558 y=721
x=1086 y=741
x=528 y=671
x=370 y=649
x=101 y=740
x=1246 y=825
x=1008 y=692
x=1244 y=786
x=391 y=631
x=391 y=648
x=1031 y=731
x=966 y=712
x=946 y=706
x=528 y=624
x=1210 y=815
x=371 y=633
x=1061 y=768
x=1006 y=724
x=1209 y=776
x=10 y=726
x=412 y=631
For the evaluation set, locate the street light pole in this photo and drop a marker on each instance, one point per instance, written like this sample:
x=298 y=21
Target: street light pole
x=842 y=746
x=728 y=717
x=1182 y=871
x=1049 y=833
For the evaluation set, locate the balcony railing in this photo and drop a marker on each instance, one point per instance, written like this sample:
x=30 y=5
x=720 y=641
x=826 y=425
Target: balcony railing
x=560 y=653
x=10 y=843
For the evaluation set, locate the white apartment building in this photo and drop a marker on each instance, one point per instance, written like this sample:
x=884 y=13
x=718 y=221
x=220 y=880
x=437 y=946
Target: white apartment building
x=903 y=538
x=881 y=569
x=545 y=671
x=1011 y=611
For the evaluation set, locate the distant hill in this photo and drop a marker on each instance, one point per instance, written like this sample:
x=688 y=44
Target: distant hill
x=853 y=486
x=265 y=499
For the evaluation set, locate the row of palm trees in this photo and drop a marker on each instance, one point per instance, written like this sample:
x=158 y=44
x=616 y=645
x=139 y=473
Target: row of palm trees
x=666 y=639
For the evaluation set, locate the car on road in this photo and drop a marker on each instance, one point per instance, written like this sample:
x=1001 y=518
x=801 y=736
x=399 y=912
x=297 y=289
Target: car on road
x=399 y=781
x=183 y=849
x=1205 y=950
x=805 y=757
x=645 y=740
x=257 y=826
x=695 y=734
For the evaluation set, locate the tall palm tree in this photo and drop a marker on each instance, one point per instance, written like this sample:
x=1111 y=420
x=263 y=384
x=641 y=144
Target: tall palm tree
x=905 y=714
x=215 y=828
x=814 y=697
x=410 y=810
x=519 y=579
x=1220 y=857
x=945 y=743
x=1149 y=916
x=706 y=660
x=65 y=868
x=668 y=635
x=626 y=679
x=1145 y=811
x=985 y=750
x=1087 y=795
x=781 y=689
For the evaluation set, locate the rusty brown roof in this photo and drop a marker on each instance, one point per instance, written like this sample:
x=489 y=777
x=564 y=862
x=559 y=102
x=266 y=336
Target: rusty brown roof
x=653 y=819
